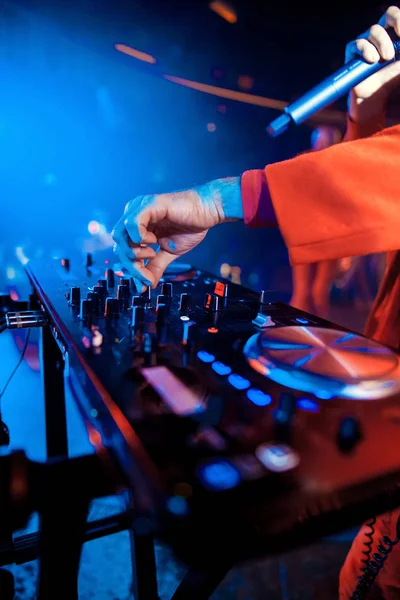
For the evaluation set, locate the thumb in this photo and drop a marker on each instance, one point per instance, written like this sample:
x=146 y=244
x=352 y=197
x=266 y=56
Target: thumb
x=159 y=263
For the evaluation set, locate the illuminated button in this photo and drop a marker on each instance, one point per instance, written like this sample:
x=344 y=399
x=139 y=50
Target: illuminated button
x=258 y=397
x=238 y=382
x=205 y=357
x=277 y=458
x=308 y=405
x=221 y=289
x=219 y=475
x=221 y=369
x=302 y=321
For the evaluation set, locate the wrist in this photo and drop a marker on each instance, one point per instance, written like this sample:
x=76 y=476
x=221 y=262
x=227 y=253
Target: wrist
x=367 y=110
x=226 y=196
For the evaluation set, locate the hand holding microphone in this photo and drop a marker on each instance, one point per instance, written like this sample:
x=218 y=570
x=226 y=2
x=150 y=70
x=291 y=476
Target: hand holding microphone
x=368 y=99
x=371 y=76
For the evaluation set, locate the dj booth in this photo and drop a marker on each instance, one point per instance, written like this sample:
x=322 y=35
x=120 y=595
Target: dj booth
x=237 y=426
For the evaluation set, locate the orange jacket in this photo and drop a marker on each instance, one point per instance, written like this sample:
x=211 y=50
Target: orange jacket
x=342 y=201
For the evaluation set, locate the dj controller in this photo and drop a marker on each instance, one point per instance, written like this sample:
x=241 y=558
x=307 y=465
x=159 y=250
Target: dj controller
x=238 y=420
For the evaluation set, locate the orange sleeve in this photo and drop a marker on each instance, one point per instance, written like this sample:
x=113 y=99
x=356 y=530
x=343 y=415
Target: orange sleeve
x=342 y=201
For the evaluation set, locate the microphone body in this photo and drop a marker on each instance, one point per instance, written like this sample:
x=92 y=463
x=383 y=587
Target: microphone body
x=331 y=89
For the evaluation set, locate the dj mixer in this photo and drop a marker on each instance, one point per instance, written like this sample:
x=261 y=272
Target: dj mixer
x=239 y=421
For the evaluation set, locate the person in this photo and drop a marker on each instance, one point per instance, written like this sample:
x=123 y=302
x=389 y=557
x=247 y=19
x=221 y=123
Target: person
x=341 y=201
x=312 y=283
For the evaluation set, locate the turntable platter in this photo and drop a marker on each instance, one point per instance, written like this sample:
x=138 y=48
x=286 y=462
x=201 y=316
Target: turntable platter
x=326 y=362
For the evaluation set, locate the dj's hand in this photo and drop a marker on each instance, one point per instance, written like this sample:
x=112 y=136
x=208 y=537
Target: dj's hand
x=177 y=222
x=368 y=99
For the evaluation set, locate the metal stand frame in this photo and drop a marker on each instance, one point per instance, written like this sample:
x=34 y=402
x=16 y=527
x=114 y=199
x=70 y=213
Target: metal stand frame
x=62 y=505
x=52 y=367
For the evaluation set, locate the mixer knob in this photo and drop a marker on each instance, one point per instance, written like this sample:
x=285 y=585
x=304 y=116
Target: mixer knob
x=221 y=289
x=166 y=289
x=102 y=283
x=146 y=295
x=263 y=321
x=212 y=303
x=101 y=294
x=110 y=276
x=162 y=313
x=86 y=309
x=123 y=293
x=137 y=318
x=161 y=299
x=185 y=303
x=149 y=343
x=125 y=281
x=189 y=328
x=89 y=260
x=349 y=434
x=94 y=299
x=75 y=296
x=138 y=301
x=111 y=309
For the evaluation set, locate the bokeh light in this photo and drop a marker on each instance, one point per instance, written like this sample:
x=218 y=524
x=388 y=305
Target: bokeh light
x=94 y=227
x=245 y=82
x=224 y=10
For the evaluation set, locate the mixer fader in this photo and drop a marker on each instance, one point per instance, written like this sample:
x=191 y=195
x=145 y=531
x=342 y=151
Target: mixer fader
x=219 y=397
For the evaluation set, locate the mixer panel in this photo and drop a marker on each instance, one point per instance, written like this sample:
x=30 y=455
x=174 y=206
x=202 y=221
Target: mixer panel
x=228 y=393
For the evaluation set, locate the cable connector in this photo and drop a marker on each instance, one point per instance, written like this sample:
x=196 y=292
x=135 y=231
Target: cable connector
x=25 y=319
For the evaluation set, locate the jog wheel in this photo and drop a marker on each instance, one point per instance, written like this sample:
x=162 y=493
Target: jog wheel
x=326 y=362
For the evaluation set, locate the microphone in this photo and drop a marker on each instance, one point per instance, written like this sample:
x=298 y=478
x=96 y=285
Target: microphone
x=332 y=88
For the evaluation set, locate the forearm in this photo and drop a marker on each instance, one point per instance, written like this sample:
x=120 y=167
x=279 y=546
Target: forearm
x=342 y=201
